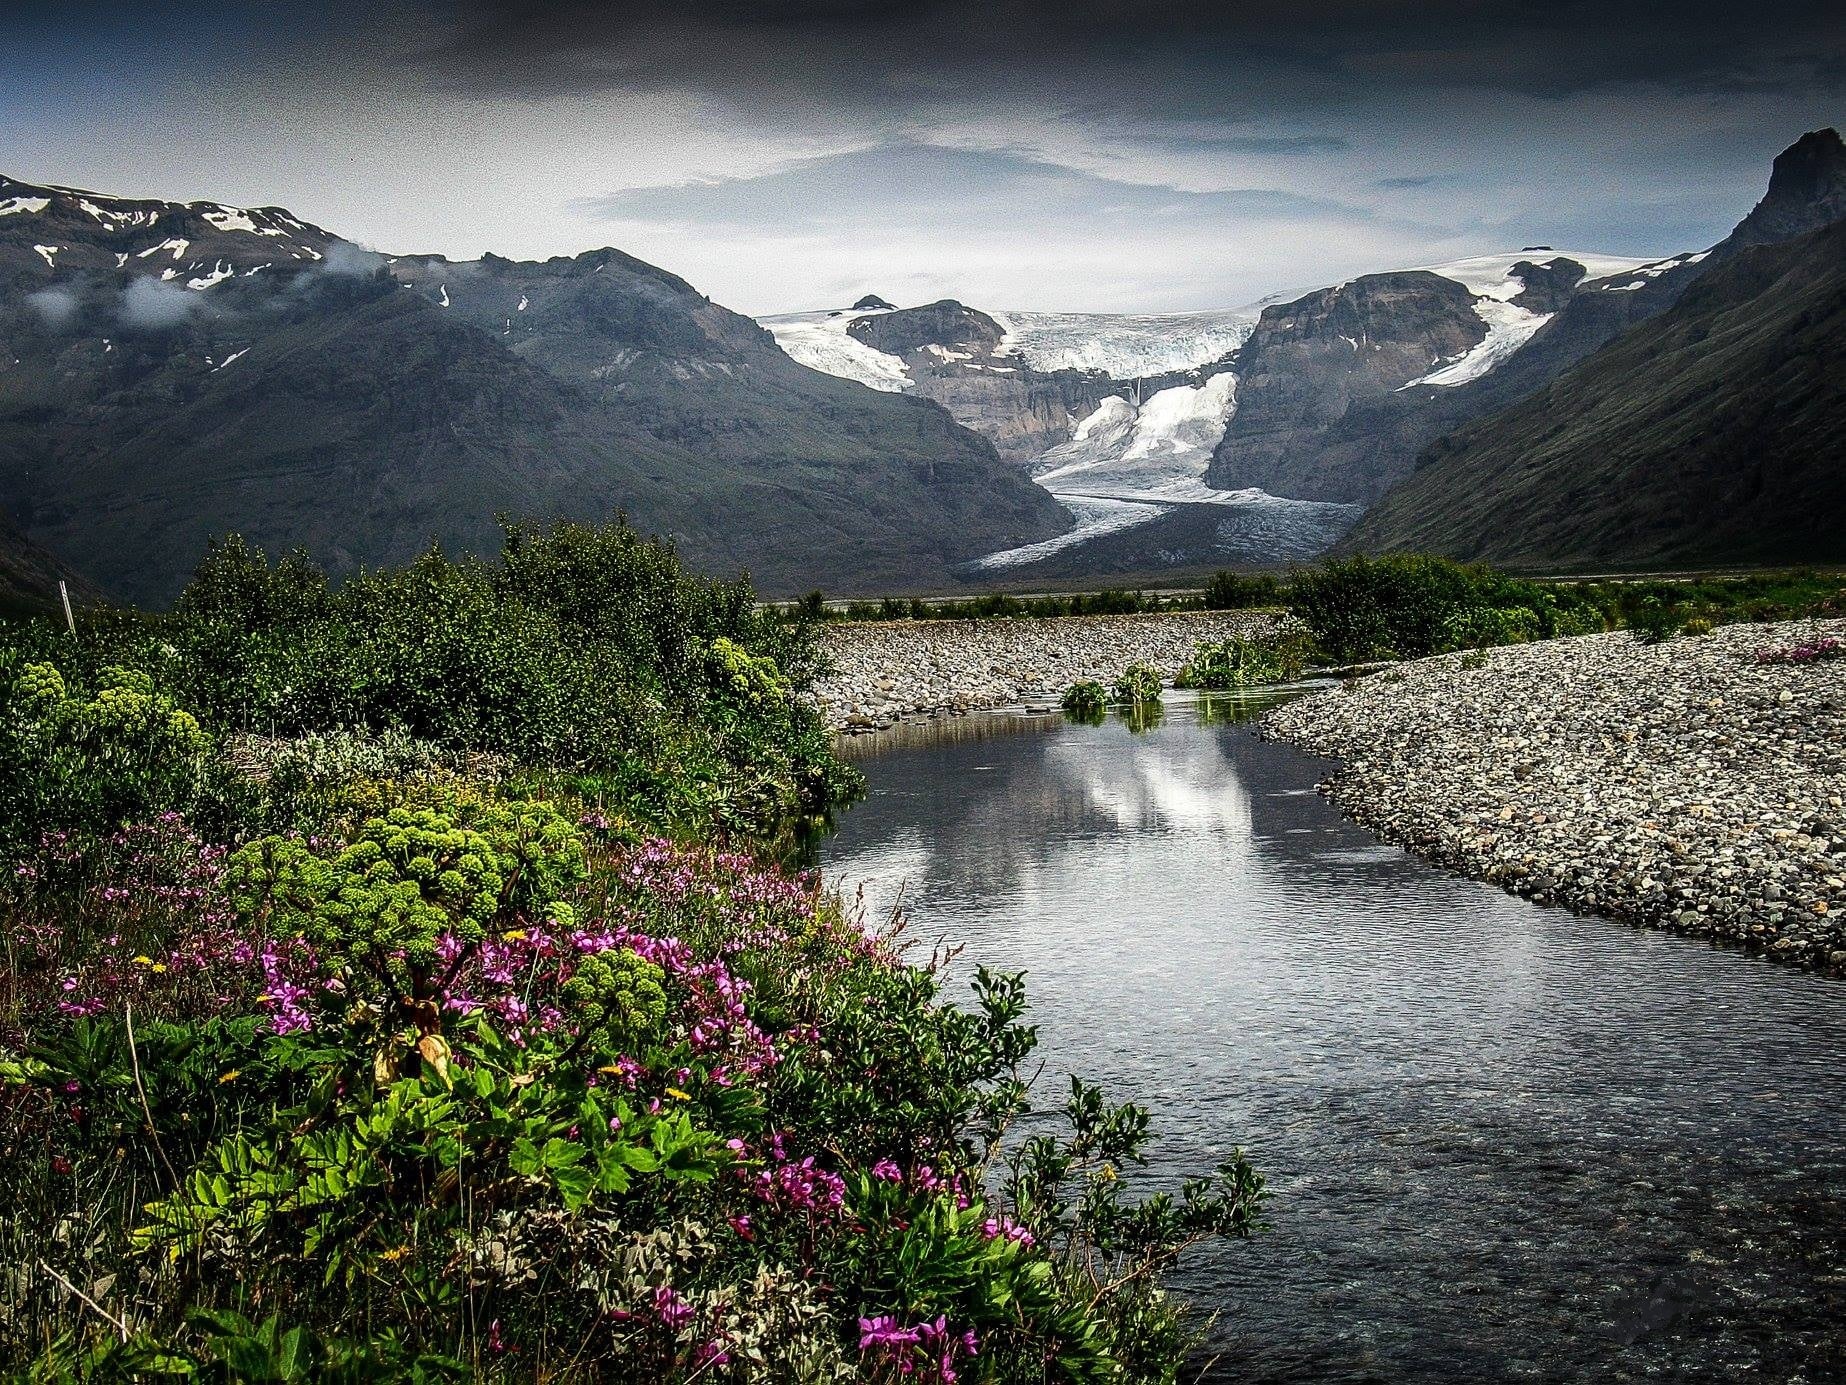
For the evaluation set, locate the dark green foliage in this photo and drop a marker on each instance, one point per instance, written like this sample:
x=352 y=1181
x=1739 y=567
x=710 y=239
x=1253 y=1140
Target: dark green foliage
x=1410 y=606
x=1241 y=663
x=588 y=651
x=1231 y=591
x=999 y=605
x=1139 y=683
x=1654 y=621
x=1085 y=700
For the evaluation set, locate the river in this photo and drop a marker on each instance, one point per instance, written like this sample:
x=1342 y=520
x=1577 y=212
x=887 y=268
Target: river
x=1503 y=1141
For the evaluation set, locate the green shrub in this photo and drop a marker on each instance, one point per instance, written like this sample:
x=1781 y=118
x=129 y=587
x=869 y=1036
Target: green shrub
x=1139 y=683
x=1240 y=662
x=1361 y=609
x=1654 y=621
x=92 y=759
x=1232 y=591
x=588 y=651
x=1085 y=699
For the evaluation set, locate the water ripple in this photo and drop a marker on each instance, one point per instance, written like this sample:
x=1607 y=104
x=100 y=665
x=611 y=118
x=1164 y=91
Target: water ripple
x=1505 y=1142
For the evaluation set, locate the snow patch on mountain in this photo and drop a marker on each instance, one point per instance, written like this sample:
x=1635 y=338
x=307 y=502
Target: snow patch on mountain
x=1095 y=517
x=1509 y=327
x=820 y=342
x=1637 y=276
x=13 y=206
x=1491 y=276
x=229 y=218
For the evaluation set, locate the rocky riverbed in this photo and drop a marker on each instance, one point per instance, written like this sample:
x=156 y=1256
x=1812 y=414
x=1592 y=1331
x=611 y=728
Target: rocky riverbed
x=889 y=670
x=1681 y=785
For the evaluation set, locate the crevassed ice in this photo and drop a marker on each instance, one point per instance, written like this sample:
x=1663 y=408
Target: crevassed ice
x=1126 y=346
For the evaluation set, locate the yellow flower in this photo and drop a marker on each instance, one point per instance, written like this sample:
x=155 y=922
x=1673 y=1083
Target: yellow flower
x=230 y=1076
x=518 y=935
x=159 y=966
x=677 y=1094
x=144 y=961
x=395 y=1253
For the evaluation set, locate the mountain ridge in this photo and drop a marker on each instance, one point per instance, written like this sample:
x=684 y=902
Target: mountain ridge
x=173 y=371
x=1712 y=433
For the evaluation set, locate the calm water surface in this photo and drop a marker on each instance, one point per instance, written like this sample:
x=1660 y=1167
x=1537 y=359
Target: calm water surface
x=1504 y=1142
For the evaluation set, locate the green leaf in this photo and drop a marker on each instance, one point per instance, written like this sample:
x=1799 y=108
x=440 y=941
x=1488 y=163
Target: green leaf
x=525 y=1158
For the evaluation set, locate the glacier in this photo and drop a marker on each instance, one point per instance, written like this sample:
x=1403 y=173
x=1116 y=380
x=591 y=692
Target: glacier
x=819 y=341
x=1126 y=346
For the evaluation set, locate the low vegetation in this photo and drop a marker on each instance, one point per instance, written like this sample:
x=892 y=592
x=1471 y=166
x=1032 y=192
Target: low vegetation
x=395 y=988
x=1246 y=662
x=1085 y=700
x=1361 y=609
x=1139 y=683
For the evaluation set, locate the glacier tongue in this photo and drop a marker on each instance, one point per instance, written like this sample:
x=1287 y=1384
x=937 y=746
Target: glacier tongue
x=1151 y=453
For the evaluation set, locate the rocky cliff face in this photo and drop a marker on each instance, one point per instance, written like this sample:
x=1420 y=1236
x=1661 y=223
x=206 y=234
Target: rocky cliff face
x=955 y=355
x=1310 y=361
x=1709 y=434
x=1375 y=438
x=1807 y=190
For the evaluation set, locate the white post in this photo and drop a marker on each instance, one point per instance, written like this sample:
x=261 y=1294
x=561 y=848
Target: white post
x=64 y=594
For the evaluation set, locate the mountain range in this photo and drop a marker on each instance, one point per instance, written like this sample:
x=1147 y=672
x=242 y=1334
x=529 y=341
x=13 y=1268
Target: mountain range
x=1341 y=401
x=170 y=372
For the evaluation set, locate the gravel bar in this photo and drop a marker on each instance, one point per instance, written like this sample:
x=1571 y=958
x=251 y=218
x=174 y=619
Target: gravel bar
x=886 y=671
x=1680 y=786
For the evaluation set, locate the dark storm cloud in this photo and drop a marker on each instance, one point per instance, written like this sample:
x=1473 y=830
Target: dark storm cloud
x=904 y=55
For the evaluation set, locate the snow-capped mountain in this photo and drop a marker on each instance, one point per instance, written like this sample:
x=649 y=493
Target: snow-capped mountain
x=1512 y=309
x=1121 y=415
x=196 y=245
x=172 y=372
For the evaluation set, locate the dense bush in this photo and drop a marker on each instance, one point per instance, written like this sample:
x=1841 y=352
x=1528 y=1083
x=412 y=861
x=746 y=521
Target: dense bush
x=995 y=605
x=1654 y=621
x=1240 y=662
x=588 y=651
x=358 y=1021
x=1232 y=591
x=1408 y=607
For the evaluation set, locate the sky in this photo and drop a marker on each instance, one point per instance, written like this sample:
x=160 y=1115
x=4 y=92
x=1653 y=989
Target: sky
x=1076 y=155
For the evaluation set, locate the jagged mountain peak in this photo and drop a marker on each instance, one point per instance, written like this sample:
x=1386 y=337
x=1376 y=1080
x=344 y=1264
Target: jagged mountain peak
x=1807 y=190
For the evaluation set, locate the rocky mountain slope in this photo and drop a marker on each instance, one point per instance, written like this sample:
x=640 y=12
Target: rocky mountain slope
x=1337 y=441
x=1714 y=433
x=169 y=372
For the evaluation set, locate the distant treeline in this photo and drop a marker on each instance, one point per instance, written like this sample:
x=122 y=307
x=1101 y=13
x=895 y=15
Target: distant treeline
x=1408 y=606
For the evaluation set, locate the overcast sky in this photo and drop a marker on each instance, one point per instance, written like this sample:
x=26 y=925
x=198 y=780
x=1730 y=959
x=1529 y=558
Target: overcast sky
x=1012 y=153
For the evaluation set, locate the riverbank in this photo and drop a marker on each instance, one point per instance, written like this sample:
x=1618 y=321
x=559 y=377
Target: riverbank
x=1681 y=786
x=886 y=671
